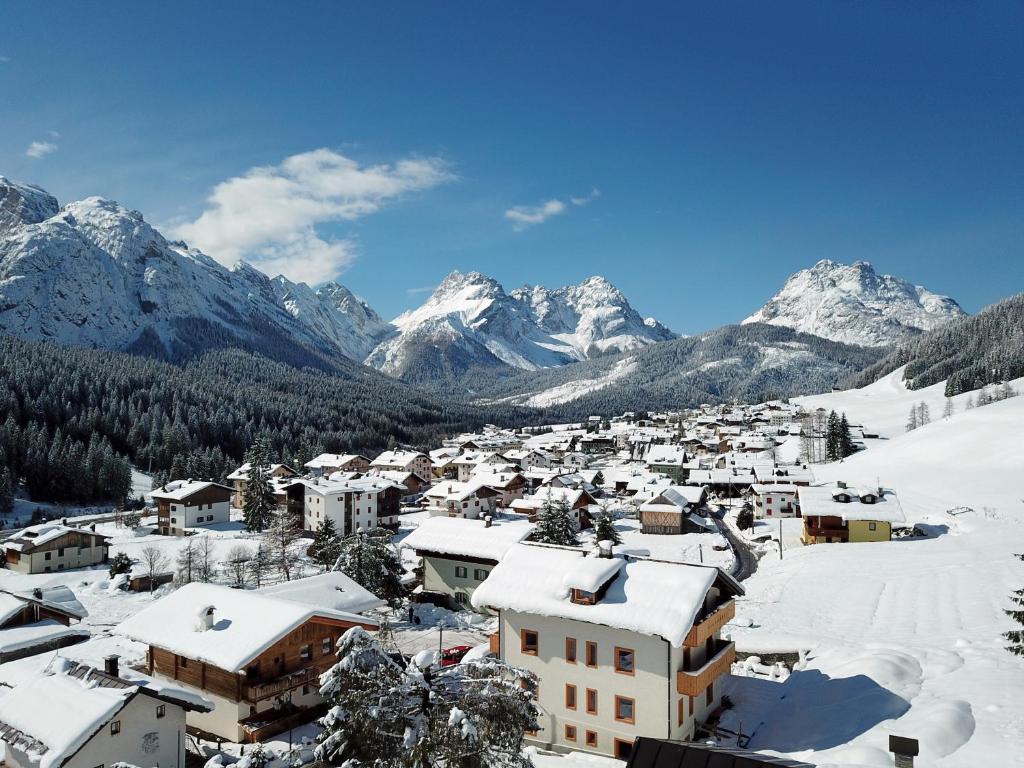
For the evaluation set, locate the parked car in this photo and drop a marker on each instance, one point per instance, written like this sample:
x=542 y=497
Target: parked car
x=452 y=656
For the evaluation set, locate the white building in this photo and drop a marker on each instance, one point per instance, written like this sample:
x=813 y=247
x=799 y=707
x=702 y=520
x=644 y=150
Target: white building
x=68 y=715
x=623 y=647
x=366 y=502
x=452 y=498
x=777 y=500
x=183 y=504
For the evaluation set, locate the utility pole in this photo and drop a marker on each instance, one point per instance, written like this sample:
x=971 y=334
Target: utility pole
x=780 y=538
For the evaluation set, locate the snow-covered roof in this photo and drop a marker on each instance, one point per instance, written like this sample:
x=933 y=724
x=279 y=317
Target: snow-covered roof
x=242 y=473
x=332 y=487
x=332 y=460
x=177 y=490
x=397 y=458
x=645 y=596
x=591 y=573
x=36 y=634
x=665 y=455
x=37 y=535
x=820 y=500
x=762 y=490
x=462 y=537
x=332 y=590
x=453 y=490
x=245 y=623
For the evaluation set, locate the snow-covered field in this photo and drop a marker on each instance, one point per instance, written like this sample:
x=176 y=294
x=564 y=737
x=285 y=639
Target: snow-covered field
x=904 y=637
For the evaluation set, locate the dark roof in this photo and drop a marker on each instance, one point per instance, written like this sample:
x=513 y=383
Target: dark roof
x=658 y=753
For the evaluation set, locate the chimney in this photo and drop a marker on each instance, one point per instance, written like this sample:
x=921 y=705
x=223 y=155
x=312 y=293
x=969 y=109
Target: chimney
x=37 y=593
x=206 y=617
x=487 y=521
x=604 y=548
x=841 y=483
x=110 y=665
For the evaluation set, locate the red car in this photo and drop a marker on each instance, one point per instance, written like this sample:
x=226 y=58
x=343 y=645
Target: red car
x=453 y=655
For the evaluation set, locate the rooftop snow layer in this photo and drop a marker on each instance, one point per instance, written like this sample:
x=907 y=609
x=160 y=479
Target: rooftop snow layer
x=818 y=500
x=245 y=623
x=333 y=590
x=463 y=537
x=646 y=596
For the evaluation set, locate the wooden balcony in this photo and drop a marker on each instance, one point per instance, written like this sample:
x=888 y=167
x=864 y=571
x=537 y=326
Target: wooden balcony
x=707 y=626
x=494 y=642
x=693 y=682
x=812 y=532
x=257 y=691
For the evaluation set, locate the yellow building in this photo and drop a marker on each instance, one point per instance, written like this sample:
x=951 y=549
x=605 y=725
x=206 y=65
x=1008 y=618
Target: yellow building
x=838 y=513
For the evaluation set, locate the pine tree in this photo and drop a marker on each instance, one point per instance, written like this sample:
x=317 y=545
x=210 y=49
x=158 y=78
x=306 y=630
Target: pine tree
x=604 y=527
x=471 y=715
x=846 y=445
x=6 y=491
x=326 y=545
x=370 y=560
x=555 y=524
x=119 y=564
x=745 y=518
x=947 y=409
x=259 y=503
x=833 y=438
x=1016 y=636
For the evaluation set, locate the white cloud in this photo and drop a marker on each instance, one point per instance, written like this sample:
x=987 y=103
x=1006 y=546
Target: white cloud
x=269 y=215
x=39 y=149
x=421 y=289
x=5 y=59
x=523 y=216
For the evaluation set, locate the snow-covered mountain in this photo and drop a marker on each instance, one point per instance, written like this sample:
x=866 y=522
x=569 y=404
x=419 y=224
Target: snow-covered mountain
x=471 y=322
x=94 y=273
x=855 y=305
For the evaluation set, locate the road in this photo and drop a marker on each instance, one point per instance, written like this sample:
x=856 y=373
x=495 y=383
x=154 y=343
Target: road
x=746 y=561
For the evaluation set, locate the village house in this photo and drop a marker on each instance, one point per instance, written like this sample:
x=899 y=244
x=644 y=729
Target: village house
x=468 y=463
x=329 y=463
x=777 y=500
x=332 y=589
x=837 y=513
x=183 y=504
x=68 y=715
x=458 y=553
x=257 y=658
x=51 y=547
x=667 y=460
x=675 y=510
x=624 y=647
x=410 y=461
x=240 y=479
x=39 y=621
x=528 y=458
x=451 y=498
x=412 y=484
x=365 y=502
x=506 y=480
x=578 y=500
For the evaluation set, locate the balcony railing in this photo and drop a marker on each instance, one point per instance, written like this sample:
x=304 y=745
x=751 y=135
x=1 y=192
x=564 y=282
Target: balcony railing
x=706 y=626
x=691 y=682
x=257 y=691
x=815 y=531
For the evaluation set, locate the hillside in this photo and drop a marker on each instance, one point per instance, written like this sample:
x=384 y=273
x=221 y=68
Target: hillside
x=967 y=353
x=856 y=305
x=748 y=362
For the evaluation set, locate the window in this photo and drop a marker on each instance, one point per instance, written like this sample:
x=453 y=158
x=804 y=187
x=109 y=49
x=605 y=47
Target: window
x=306 y=652
x=570 y=732
x=625 y=709
x=623 y=749
x=305 y=690
x=46 y=555
x=174 y=507
x=182 y=662
x=326 y=646
x=60 y=552
x=570 y=696
x=709 y=695
x=681 y=711
x=161 y=710
x=591 y=654
x=624 y=661
x=570 y=650
x=115 y=727
x=479 y=574
x=592 y=739
x=591 y=701
x=529 y=642
x=872 y=526
x=460 y=572
x=460 y=598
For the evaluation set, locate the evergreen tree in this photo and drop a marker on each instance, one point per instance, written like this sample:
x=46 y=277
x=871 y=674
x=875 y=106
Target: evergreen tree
x=833 y=438
x=259 y=503
x=6 y=491
x=555 y=524
x=471 y=715
x=745 y=518
x=1016 y=636
x=326 y=545
x=947 y=409
x=370 y=560
x=604 y=527
x=119 y=564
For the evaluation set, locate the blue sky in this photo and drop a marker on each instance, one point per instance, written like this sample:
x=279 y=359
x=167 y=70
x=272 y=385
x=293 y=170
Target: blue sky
x=711 y=149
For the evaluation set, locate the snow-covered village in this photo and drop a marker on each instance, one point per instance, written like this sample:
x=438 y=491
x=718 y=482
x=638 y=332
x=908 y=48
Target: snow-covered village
x=574 y=385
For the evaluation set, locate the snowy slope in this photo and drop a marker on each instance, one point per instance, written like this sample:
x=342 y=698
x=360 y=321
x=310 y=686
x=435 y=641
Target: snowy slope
x=856 y=305
x=905 y=636
x=471 y=322
x=94 y=273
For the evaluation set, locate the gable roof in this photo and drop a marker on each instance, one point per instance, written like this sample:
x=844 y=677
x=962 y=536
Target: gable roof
x=246 y=623
x=462 y=537
x=333 y=590
x=820 y=500
x=178 y=490
x=36 y=535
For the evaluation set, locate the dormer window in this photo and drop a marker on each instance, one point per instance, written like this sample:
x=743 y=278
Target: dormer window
x=582 y=597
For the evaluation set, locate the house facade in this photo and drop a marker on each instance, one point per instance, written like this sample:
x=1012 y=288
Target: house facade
x=366 y=502
x=411 y=461
x=451 y=498
x=52 y=547
x=186 y=504
x=611 y=667
x=240 y=480
x=777 y=500
x=329 y=463
x=838 y=513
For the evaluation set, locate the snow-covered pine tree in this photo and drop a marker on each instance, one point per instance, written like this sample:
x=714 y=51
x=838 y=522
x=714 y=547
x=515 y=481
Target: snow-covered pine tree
x=6 y=491
x=846 y=446
x=259 y=504
x=1016 y=636
x=369 y=559
x=471 y=715
x=555 y=524
x=604 y=526
x=281 y=542
x=832 y=438
x=326 y=545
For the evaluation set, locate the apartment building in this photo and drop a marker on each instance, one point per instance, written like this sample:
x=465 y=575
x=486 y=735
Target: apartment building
x=366 y=502
x=185 y=504
x=623 y=647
